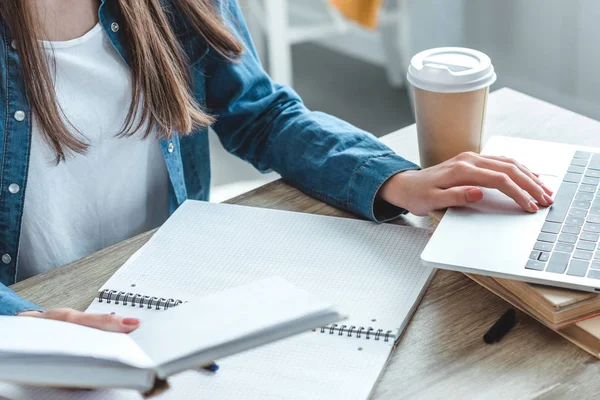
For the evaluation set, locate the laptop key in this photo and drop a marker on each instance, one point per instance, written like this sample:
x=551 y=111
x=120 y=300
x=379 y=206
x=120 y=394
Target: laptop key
x=581 y=204
x=574 y=221
x=577 y=212
x=597 y=255
x=536 y=265
x=565 y=237
x=584 y=196
x=594 y=166
x=582 y=154
x=574 y=169
x=534 y=255
x=569 y=177
x=558 y=262
x=547 y=237
x=588 y=180
x=572 y=229
x=594 y=273
x=583 y=255
x=593 y=173
x=551 y=227
x=562 y=201
x=593 y=218
x=590 y=227
x=543 y=257
x=587 y=188
x=577 y=268
x=595 y=210
x=589 y=236
x=543 y=246
x=583 y=245
x=565 y=247
x=579 y=162
x=595 y=264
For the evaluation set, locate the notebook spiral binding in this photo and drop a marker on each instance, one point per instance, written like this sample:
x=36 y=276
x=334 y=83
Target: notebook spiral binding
x=136 y=299
x=357 y=332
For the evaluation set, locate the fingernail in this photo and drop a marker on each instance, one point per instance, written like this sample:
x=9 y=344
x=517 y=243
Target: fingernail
x=550 y=192
x=131 y=321
x=473 y=195
x=548 y=199
x=533 y=206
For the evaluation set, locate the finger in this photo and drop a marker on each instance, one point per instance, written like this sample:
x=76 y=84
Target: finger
x=517 y=176
x=535 y=177
x=466 y=174
x=457 y=196
x=106 y=322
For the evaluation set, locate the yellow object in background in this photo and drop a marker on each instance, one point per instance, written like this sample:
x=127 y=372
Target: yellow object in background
x=363 y=12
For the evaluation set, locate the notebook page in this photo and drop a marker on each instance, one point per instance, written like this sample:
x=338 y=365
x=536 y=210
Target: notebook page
x=232 y=315
x=324 y=367
x=37 y=336
x=372 y=272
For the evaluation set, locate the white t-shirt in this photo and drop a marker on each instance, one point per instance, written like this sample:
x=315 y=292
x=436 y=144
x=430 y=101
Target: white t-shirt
x=118 y=189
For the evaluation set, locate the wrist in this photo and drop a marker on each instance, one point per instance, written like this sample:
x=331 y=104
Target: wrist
x=28 y=313
x=396 y=190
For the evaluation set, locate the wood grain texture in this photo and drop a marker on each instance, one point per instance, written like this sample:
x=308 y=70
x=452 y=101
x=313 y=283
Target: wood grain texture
x=442 y=354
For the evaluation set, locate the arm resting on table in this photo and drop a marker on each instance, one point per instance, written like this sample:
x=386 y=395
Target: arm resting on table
x=267 y=125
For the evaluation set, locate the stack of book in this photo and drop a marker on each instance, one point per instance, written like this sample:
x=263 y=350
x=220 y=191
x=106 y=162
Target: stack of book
x=572 y=314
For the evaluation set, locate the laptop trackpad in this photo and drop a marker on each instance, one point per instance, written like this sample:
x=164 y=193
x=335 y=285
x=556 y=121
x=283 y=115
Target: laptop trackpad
x=494 y=234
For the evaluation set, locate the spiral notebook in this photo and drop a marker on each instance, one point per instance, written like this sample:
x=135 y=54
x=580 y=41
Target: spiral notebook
x=370 y=271
x=50 y=353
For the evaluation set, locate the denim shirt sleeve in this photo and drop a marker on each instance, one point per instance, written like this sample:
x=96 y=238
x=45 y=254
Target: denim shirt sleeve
x=12 y=304
x=267 y=125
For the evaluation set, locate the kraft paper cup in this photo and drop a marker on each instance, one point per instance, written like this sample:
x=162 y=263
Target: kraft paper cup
x=450 y=87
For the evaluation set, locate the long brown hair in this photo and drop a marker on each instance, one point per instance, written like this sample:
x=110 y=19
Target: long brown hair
x=159 y=67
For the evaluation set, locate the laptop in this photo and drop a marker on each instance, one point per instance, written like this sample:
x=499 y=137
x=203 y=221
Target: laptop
x=556 y=246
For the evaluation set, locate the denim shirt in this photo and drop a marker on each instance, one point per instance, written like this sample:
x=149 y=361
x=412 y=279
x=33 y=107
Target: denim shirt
x=262 y=122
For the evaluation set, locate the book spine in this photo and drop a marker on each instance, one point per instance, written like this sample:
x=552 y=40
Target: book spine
x=360 y=332
x=136 y=300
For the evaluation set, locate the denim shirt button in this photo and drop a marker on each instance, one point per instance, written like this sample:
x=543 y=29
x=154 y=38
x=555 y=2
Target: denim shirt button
x=114 y=27
x=13 y=188
x=19 y=115
x=171 y=147
x=13 y=44
x=6 y=258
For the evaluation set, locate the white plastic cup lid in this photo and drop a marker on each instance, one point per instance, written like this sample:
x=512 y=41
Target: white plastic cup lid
x=451 y=70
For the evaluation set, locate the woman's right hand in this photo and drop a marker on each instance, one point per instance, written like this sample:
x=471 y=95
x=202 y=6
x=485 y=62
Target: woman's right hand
x=105 y=322
x=458 y=182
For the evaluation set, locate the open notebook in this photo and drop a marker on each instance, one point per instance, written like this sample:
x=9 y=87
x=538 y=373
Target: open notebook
x=372 y=272
x=55 y=353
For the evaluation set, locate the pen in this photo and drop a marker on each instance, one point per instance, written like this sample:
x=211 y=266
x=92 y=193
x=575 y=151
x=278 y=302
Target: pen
x=501 y=327
x=212 y=367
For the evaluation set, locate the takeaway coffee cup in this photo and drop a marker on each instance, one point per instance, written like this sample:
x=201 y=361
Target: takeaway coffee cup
x=450 y=87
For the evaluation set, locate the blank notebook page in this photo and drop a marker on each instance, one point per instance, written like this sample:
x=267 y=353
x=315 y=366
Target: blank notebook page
x=309 y=366
x=370 y=271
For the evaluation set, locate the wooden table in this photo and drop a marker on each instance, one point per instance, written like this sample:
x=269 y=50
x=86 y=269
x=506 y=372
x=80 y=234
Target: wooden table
x=442 y=354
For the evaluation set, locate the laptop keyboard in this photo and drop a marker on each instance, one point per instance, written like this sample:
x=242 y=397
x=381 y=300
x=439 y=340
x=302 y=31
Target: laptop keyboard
x=568 y=241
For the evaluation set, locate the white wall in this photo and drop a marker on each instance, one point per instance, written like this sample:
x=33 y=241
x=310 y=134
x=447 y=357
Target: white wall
x=546 y=48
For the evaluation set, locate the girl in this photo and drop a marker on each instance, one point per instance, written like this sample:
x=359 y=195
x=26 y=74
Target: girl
x=106 y=106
